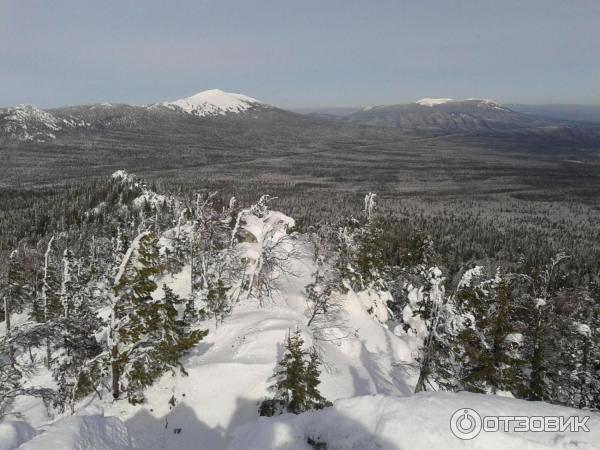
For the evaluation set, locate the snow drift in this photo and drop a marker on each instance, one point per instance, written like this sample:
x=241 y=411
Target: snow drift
x=420 y=421
x=75 y=433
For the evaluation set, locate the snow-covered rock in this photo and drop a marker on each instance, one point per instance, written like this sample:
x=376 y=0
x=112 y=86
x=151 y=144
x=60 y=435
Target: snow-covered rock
x=213 y=102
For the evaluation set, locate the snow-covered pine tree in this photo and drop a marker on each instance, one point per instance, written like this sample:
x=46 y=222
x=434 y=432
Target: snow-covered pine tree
x=541 y=320
x=173 y=336
x=209 y=245
x=47 y=306
x=132 y=309
x=360 y=261
x=489 y=346
x=296 y=380
x=16 y=292
x=74 y=372
x=289 y=384
x=437 y=315
x=575 y=347
x=147 y=337
x=217 y=300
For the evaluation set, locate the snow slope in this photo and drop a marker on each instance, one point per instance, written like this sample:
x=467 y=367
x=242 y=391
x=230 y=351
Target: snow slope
x=229 y=370
x=214 y=102
x=419 y=421
x=83 y=432
x=367 y=370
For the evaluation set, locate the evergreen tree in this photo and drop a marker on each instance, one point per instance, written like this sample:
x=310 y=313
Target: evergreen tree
x=541 y=301
x=151 y=339
x=16 y=292
x=296 y=380
x=314 y=399
x=489 y=345
x=174 y=336
x=74 y=373
x=436 y=360
x=217 y=300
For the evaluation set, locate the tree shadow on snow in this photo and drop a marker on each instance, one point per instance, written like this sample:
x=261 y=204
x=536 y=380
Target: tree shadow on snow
x=181 y=429
x=331 y=429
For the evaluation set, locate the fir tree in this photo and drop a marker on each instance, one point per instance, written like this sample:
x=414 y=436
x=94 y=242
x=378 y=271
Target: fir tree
x=217 y=300
x=151 y=339
x=314 y=399
x=73 y=373
x=16 y=292
x=296 y=380
x=489 y=346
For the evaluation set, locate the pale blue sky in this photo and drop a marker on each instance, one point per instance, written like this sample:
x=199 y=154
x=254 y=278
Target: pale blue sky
x=299 y=53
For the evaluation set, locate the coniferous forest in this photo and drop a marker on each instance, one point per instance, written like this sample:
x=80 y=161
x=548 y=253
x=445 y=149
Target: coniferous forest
x=491 y=311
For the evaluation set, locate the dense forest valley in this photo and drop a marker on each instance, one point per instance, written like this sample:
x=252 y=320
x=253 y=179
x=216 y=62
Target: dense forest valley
x=356 y=260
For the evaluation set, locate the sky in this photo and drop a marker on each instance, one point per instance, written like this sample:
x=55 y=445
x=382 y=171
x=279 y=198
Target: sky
x=299 y=53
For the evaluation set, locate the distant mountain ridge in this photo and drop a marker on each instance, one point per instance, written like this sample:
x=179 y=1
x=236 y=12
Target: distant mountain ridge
x=472 y=115
x=26 y=123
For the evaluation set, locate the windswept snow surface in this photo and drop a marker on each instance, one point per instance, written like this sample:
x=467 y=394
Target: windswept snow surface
x=214 y=102
x=414 y=422
x=87 y=432
x=13 y=433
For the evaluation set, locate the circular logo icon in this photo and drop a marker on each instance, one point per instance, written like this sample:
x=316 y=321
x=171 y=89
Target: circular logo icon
x=465 y=423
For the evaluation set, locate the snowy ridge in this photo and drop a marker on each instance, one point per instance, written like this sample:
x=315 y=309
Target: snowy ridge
x=480 y=102
x=29 y=123
x=415 y=422
x=214 y=102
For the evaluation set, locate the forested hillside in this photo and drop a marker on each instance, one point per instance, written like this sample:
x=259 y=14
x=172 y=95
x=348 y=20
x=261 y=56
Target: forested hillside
x=187 y=313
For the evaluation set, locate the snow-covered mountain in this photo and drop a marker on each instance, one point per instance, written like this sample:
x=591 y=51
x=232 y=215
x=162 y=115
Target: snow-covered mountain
x=478 y=102
x=471 y=115
x=28 y=123
x=214 y=102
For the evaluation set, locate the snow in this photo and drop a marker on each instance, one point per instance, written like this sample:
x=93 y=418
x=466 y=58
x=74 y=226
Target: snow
x=88 y=432
x=24 y=113
x=480 y=102
x=368 y=372
x=149 y=197
x=584 y=329
x=229 y=370
x=469 y=276
x=214 y=102
x=514 y=338
x=122 y=175
x=433 y=101
x=13 y=433
x=420 y=421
